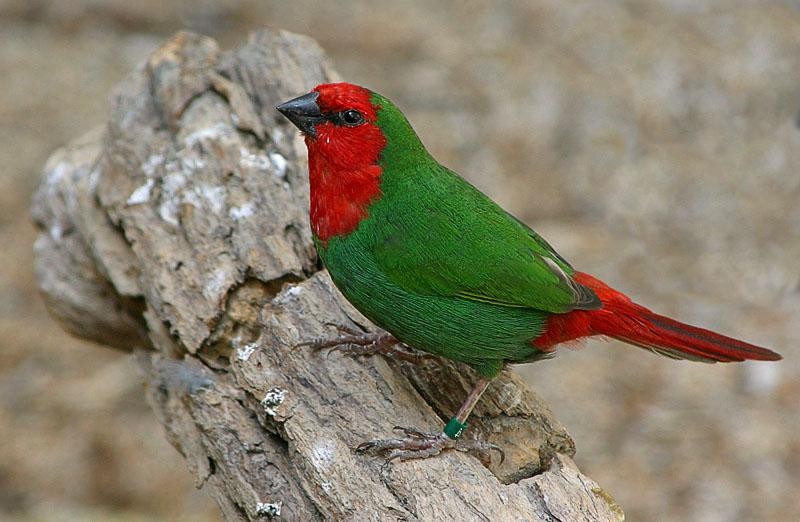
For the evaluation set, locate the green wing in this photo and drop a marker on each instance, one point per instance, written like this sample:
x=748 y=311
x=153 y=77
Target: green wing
x=440 y=235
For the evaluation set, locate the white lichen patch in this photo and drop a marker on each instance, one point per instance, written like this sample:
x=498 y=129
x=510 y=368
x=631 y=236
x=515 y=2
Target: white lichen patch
x=323 y=453
x=56 y=230
x=277 y=136
x=173 y=195
x=192 y=163
x=290 y=293
x=171 y=185
x=142 y=194
x=168 y=211
x=214 y=196
x=269 y=509
x=253 y=161
x=246 y=351
x=151 y=164
x=93 y=180
x=244 y=211
x=273 y=398
x=214 y=132
x=279 y=164
x=217 y=283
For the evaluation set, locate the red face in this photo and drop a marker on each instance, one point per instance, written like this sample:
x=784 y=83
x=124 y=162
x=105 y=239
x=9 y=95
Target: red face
x=348 y=138
x=344 y=144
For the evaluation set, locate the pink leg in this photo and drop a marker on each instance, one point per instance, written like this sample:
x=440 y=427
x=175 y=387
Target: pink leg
x=418 y=445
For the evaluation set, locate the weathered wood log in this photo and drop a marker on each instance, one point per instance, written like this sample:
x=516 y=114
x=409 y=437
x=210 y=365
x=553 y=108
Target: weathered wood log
x=180 y=232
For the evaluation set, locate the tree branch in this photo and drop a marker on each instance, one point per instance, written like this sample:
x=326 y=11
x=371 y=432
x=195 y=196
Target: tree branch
x=180 y=232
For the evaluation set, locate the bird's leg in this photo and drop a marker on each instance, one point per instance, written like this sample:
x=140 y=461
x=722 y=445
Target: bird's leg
x=355 y=342
x=418 y=445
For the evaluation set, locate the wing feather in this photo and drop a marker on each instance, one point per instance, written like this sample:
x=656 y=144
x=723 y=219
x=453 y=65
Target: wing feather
x=448 y=238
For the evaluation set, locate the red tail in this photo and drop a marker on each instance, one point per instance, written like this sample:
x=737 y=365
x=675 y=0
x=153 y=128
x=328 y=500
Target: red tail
x=627 y=321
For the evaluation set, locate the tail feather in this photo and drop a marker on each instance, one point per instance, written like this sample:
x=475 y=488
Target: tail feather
x=622 y=319
x=674 y=339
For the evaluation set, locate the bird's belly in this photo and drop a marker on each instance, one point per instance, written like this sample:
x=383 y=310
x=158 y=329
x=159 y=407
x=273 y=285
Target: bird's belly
x=481 y=334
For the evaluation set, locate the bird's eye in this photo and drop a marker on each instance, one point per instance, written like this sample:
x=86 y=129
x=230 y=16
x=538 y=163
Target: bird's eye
x=352 y=117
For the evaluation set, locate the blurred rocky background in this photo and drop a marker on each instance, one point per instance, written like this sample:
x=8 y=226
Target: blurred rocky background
x=654 y=143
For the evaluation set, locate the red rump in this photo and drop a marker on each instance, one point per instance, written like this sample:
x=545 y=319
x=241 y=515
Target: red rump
x=627 y=321
x=343 y=162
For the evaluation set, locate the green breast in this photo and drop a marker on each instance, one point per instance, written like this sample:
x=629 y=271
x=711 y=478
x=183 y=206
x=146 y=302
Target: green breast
x=483 y=335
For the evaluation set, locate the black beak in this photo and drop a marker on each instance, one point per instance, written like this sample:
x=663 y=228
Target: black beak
x=304 y=112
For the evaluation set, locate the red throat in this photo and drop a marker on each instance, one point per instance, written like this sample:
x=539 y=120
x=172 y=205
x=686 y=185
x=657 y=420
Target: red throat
x=343 y=162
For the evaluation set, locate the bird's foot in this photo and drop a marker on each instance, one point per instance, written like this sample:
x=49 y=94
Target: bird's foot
x=357 y=343
x=419 y=445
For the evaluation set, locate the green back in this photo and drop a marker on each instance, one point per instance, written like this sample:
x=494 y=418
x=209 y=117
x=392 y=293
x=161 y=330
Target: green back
x=443 y=236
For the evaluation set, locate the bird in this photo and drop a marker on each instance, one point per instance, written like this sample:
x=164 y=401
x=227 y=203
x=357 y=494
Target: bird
x=442 y=268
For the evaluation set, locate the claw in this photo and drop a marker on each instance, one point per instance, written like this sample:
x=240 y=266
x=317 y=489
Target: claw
x=411 y=432
x=482 y=447
x=377 y=445
x=303 y=344
x=343 y=328
x=365 y=446
x=353 y=342
x=419 y=445
x=404 y=455
x=347 y=335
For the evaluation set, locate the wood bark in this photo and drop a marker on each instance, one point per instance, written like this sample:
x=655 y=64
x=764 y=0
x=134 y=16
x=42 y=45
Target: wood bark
x=179 y=232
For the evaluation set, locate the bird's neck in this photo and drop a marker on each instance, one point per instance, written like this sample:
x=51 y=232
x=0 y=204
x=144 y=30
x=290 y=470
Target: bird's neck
x=340 y=196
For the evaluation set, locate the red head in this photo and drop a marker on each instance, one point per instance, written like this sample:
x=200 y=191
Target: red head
x=344 y=144
x=349 y=137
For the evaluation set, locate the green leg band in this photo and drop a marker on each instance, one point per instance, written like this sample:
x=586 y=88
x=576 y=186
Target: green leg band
x=454 y=428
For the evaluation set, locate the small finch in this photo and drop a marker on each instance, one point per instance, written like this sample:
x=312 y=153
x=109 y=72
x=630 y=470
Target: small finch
x=443 y=269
